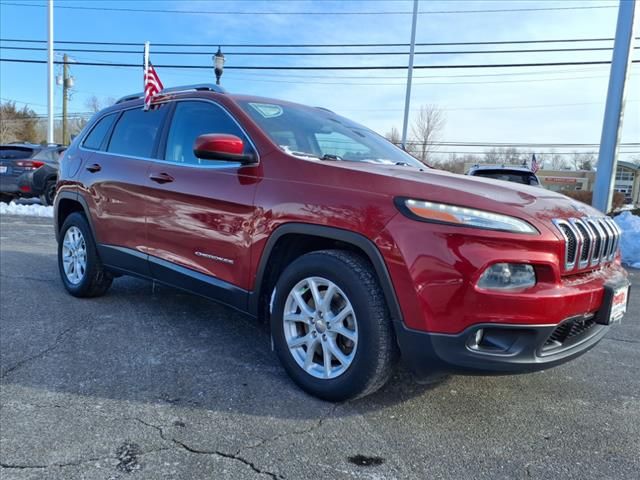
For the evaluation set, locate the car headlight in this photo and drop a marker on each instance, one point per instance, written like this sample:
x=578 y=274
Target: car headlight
x=461 y=216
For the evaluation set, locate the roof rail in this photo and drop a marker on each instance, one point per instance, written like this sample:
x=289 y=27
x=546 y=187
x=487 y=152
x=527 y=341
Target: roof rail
x=199 y=87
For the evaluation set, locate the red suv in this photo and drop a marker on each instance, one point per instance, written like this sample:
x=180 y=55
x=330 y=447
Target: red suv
x=356 y=253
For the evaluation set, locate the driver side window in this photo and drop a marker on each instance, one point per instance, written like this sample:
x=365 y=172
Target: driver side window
x=192 y=119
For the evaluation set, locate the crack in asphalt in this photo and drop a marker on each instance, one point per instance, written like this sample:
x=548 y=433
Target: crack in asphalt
x=75 y=463
x=38 y=355
x=624 y=340
x=219 y=453
x=310 y=429
x=21 y=277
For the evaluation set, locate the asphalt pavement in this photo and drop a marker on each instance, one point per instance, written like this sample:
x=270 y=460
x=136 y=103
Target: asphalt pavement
x=148 y=382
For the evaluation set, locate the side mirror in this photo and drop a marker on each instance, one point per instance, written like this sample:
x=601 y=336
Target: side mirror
x=220 y=146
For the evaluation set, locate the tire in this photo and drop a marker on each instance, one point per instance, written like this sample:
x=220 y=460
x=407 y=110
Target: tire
x=364 y=338
x=6 y=198
x=92 y=280
x=49 y=193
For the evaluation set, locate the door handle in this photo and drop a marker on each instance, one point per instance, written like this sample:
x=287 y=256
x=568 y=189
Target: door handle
x=94 y=168
x=161 y=177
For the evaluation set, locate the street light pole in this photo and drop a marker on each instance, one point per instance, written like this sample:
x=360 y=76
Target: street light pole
x=613 y=113
x=50 y=126
x=407 y=100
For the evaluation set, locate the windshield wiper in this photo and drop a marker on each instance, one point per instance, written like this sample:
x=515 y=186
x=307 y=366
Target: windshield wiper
x=328 y=156
x=303 y=154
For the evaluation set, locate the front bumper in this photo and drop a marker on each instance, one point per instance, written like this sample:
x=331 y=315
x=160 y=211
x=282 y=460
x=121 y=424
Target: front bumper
x=508 y=348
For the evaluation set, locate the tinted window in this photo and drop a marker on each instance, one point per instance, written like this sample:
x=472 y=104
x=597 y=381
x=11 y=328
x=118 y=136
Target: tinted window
x=136 y=131
x=95 y=138
x=13 y=152
x=192 y=119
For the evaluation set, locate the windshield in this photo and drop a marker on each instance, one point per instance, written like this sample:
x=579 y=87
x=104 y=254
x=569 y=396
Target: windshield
x=508 y=176
x=315 y=132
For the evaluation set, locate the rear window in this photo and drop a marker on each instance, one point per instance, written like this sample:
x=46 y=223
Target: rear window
x=96 y=136
x=7 y=153
x=136 y=132
x=508 y=176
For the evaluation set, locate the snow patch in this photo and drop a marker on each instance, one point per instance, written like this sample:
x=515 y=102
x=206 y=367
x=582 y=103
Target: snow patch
x=26 y=210
x=630 y=239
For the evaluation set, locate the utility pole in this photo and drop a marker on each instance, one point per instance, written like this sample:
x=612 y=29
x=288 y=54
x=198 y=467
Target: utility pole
x=612 y=123
x=50 y=131
x=407 y=100
x=65 y=96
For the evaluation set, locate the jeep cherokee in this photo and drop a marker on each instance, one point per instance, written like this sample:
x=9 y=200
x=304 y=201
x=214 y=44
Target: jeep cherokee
x=356 y=253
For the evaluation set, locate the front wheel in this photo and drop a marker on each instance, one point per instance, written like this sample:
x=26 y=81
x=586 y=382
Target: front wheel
x=331 y=326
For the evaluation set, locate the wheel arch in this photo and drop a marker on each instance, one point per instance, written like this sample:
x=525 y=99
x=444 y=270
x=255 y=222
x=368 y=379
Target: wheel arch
x=65 y=204
x=291 y=240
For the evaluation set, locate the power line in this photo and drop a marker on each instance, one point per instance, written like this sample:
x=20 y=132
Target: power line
x=334 y=54
x=333 y=67
x=341 y=13
x=315 y=45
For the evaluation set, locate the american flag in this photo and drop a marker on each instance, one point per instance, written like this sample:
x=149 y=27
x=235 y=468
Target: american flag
x=152 y=85
x=534 y=164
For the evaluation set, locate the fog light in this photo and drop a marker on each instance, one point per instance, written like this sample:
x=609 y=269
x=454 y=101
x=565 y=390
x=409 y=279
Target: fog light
x=508 y=276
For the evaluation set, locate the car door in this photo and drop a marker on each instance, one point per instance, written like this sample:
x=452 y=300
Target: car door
x=115 y=181
x=200 y=212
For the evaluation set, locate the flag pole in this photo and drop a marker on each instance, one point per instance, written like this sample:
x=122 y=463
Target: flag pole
x=146 y=69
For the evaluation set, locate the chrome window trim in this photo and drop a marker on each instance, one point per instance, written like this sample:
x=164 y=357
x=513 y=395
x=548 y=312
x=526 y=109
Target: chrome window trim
x=576 y=222
x=222 y=165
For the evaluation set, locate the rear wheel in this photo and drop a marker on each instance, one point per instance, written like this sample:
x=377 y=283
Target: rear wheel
x=331 y=327
x=49 y=193
x=81 y=270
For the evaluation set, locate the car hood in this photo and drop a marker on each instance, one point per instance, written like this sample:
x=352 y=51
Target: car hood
x=531 y=203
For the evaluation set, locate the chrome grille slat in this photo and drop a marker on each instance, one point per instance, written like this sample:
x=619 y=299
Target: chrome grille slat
x=609 y=240
x=589 y=241
x=599 y=243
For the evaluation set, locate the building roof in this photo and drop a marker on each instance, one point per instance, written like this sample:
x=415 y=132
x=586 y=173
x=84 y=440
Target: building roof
x=632 y=166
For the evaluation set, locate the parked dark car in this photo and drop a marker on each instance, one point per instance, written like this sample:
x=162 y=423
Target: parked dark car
x=41 y=180
x=29 y=170
x=521 y=175
x=352 y=250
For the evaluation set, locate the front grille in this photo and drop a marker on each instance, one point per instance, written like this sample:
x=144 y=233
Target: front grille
x=589 y=241
x=569 y=332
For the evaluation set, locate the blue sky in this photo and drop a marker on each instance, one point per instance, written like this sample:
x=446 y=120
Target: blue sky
x=538 y=104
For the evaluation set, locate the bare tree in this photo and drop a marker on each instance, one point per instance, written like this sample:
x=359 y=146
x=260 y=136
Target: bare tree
x=393 y=136
x=17 y=124
x=426 y=129
x=94 y=104
x=557 y=160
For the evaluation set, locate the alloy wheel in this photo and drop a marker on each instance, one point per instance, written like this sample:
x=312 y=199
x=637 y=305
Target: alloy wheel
x=74 y=255
x=320 y=327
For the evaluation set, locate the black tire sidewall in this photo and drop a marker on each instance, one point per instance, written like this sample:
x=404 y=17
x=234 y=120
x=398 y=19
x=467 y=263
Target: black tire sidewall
x=363 y=368
x=48 y=194
x=83 y=288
